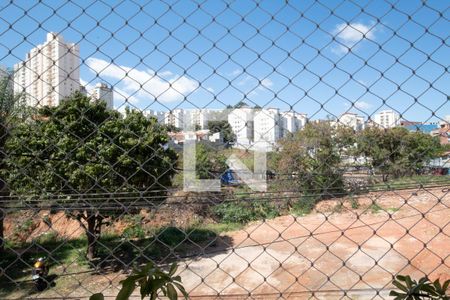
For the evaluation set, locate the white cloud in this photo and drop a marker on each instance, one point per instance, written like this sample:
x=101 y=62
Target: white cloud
x=144 y=84
x=362 y=105
x=246 y=79
x=165 y=73
x=350 y=34
x=121 y=96
x=235 y=72
x=267 y=83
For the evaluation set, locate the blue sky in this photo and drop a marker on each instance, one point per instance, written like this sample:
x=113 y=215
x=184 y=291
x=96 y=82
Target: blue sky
x=167 y=54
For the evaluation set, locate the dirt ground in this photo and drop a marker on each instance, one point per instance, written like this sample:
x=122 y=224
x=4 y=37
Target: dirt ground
x=335 y=252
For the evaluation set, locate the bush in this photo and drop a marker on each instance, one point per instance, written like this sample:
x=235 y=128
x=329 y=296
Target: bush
x=134 y=231
x=304 y=205
x=244 y=212
x=310 y=162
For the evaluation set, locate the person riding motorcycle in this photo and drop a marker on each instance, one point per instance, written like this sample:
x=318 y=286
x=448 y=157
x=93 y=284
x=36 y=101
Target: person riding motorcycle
x=40 y=272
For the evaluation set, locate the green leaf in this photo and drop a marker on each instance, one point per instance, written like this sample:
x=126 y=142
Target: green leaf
x=409 y=282
x=128 y=286
x=153 y=295
x=182 y=290
x=400 y=286
x=446 y=285
x=173 y=269
x=143 y=283
x=171 y=292
x=98 y=296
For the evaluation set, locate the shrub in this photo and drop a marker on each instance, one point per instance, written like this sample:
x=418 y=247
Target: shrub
x=134 y=231
x=304 y=205
x=245 y=211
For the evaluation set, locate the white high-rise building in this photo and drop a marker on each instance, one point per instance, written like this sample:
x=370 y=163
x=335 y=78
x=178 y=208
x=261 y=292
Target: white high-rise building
x=175 y=118
x=241 y=122
x=105 y=93
x=387 y=118
x=158 y=115
x=198 y=118
x=268 y=128
x=292 y=122
x=351 y=120
x=50 y=72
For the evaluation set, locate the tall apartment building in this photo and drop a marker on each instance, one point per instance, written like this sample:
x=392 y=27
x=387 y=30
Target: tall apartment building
x=175 y=118
x=267 y=128
x=200 y=117
x=49 y=73
x=197 y=118
x=292 y=122
x=158 y=115
x=105 y=93
x=387 y=119
x=241 y=122
x=351 y=120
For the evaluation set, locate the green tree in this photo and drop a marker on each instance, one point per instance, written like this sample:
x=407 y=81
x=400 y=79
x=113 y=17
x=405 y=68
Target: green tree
x=172 y=128
x=8 y=117
x=309 y=161
x=396 y=152
x=240 y=104
x=209 y=163
x=90 y=155
x=224 y=128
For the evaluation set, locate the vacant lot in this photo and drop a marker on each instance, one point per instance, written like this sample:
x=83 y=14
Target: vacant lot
x=337 y=248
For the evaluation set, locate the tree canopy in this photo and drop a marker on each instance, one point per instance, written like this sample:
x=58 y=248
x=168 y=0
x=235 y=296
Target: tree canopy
x=223 y=127
x=8 y=117
x=80 y=149
x=309 y=161
x=397 y=151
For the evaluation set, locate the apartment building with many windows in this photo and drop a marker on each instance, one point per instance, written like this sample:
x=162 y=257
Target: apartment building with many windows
x=387 y=118
x=49 y=73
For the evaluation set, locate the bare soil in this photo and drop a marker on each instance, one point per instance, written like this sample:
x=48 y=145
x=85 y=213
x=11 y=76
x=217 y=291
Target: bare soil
x=336 y=252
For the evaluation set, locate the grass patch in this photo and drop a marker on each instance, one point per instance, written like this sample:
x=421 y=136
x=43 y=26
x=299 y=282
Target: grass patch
x=393 y=209
x=223 y=227
x=410 y=182
x=243 y=212
x=304 y=205
x=338 y=208
x=375 y=208
x=354 y=202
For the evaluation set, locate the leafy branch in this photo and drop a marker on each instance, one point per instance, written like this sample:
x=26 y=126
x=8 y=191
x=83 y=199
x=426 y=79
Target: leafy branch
x=424 y=289
x=151 y=281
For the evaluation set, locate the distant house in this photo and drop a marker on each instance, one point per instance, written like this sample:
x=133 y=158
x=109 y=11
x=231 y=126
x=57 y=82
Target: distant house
x=444 y=132
x=441 y=164
x=425 y=128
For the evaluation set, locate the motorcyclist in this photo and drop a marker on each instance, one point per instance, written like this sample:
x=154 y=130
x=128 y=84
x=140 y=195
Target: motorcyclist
x=40 y=272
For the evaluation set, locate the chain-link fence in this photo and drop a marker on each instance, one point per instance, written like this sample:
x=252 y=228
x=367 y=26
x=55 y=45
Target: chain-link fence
x=271 y=149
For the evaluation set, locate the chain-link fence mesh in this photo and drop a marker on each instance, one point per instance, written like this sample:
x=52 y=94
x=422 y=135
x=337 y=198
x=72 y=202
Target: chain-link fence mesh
x=272 y=149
